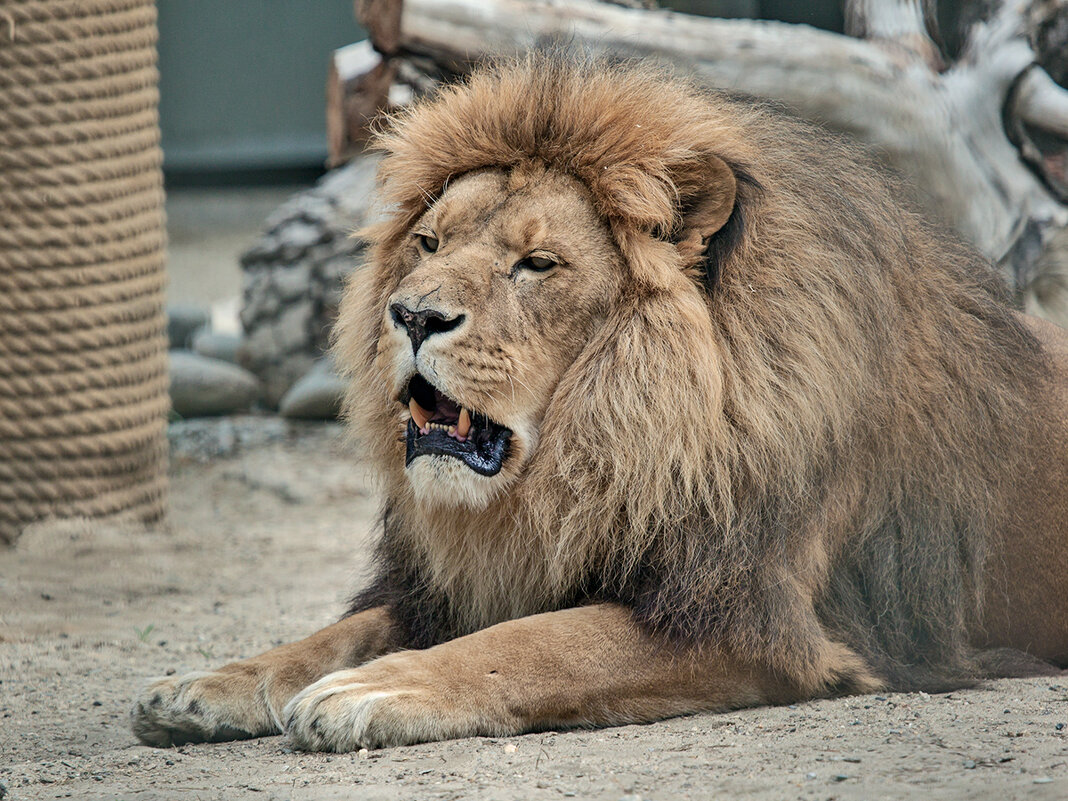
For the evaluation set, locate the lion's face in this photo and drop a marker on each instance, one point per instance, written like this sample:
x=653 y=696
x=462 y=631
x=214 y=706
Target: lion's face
x=501 y=283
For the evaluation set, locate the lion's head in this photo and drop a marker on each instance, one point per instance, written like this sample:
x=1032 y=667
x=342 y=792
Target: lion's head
x=621 y=338
x=501 y=282
x=516 y=249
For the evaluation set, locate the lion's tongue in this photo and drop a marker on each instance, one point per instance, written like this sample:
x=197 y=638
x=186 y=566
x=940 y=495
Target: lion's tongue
x=446 y=410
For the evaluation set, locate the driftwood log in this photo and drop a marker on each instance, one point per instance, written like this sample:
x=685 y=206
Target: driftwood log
x=982 y=136
x=357 y=89
x=981 y=131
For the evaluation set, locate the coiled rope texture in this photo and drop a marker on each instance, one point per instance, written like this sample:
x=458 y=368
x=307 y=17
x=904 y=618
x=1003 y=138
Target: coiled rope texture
x=83 y=359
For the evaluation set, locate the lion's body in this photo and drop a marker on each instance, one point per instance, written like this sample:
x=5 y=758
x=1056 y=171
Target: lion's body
x=1025 y=581
x=849 y=450
x=754 y=410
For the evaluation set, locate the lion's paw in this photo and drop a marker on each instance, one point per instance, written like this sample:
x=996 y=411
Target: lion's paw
x=201 y=706
x=348 y=710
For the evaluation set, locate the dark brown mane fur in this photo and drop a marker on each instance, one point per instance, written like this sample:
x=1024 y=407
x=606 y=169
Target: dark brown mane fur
x=837 y=390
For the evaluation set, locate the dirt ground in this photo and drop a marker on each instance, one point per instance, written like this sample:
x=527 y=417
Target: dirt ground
x=268 y=533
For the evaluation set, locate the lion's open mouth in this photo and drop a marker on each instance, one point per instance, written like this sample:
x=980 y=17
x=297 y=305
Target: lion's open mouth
x=439 y=425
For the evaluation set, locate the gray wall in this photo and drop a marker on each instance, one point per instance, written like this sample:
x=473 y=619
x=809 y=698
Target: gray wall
x=242 y=81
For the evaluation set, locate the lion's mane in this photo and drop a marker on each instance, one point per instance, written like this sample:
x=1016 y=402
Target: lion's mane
x=800 y=438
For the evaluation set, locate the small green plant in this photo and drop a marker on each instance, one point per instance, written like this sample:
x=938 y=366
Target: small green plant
x=143 y=634
x=207 y=653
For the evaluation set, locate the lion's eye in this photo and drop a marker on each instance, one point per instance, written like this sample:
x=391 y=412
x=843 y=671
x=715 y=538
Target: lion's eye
x=428 y=243
x=537 y=263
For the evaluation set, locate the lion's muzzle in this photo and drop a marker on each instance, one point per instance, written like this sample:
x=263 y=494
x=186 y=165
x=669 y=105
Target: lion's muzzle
x=440 y=426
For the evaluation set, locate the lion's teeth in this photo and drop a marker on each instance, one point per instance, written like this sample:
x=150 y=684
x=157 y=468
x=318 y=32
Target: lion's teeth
x=419 y=414
x=463 y=426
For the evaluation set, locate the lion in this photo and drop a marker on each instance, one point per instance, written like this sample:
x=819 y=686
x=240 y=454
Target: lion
x=675 y=408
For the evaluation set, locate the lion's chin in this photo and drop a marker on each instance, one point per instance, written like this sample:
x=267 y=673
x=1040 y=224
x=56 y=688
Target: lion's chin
x=445 y=481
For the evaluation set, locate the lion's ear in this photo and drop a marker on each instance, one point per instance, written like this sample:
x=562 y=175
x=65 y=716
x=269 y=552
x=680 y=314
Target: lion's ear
x=707 y=215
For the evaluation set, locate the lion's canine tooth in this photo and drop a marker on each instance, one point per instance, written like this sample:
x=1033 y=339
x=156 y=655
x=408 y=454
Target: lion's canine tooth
x=419 y=414
x=463 y=425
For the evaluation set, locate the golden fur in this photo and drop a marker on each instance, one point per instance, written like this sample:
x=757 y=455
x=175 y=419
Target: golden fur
x=826 y=420
x=773 y=436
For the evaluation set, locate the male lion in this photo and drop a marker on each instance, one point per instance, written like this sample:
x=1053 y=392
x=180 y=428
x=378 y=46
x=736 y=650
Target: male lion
x=675 y=409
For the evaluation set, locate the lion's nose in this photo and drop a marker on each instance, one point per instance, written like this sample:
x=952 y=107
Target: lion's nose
x=422 y=324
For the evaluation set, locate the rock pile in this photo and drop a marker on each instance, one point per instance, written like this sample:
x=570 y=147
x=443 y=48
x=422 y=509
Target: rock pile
x=207 y=378
x=293 y=276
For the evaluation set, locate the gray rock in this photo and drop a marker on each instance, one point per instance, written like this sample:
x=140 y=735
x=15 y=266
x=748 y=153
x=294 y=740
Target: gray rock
x=291 y=282
x=260 y=299
x=293 y=274
x=215 y=345
x=183 y=320
x=202 y=386
x=284 y=373
x=294 y=322
x=316 y=396
x=299 y=237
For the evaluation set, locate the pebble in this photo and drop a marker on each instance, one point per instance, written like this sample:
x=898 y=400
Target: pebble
x=183 y=320
x=202 y=386
x=316 y=396
x=215 y=345
x=204 y=439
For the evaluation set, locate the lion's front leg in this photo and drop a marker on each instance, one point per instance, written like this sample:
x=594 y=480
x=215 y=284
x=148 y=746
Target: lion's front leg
x=244 y=699
x=589 y=666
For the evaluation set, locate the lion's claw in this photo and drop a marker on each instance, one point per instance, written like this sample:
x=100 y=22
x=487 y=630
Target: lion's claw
x=333 y=714
x=191 y=708
x=351 y=709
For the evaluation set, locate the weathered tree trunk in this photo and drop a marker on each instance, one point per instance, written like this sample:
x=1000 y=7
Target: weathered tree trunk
x=357 y=90
x=946 y=128
x=983 y=136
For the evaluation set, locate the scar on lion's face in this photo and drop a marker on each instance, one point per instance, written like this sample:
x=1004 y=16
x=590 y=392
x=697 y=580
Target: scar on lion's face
x=503 y=280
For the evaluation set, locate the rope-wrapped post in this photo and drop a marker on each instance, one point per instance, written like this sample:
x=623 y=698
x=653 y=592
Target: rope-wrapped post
x=83 y=359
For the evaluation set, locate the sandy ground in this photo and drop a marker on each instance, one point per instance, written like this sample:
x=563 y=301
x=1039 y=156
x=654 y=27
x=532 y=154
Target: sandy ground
x=268 y=533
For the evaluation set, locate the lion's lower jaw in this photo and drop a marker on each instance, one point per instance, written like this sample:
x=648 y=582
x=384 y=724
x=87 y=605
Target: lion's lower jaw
x=439 y=482
x=443 y=481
